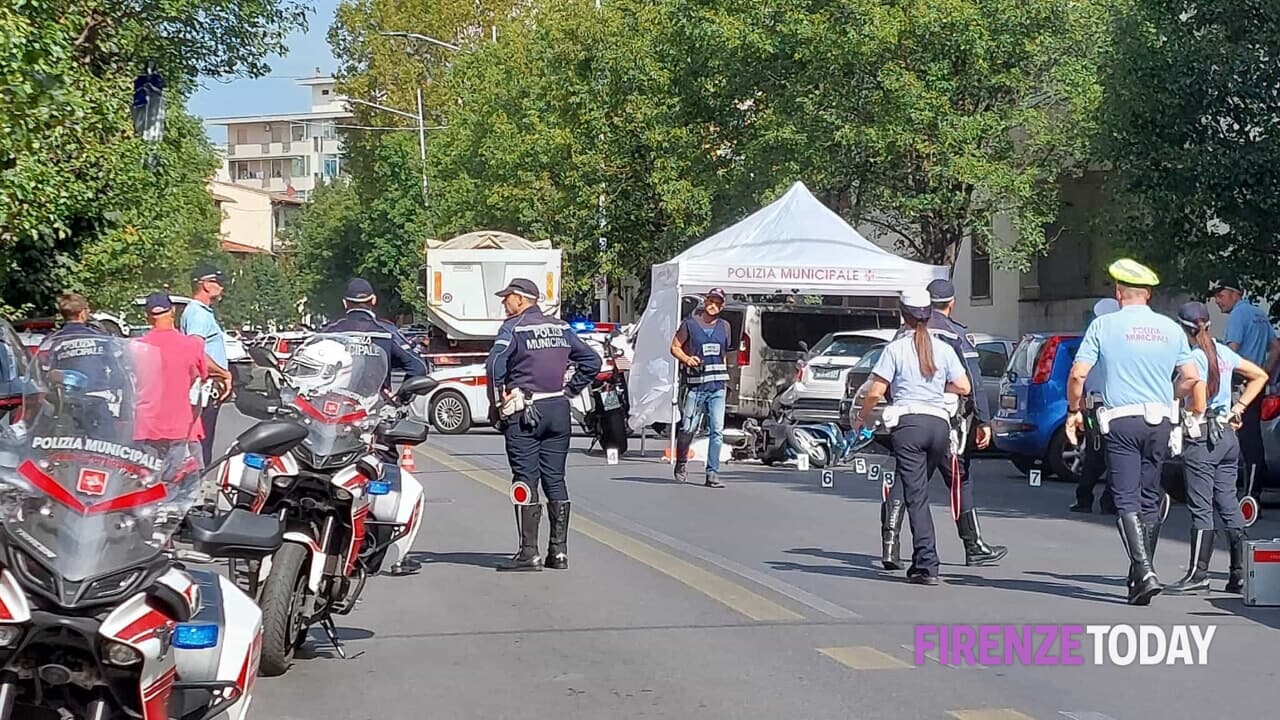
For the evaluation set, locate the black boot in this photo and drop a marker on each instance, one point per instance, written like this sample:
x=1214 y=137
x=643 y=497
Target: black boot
x=977 y=552
x=892 y=513
x=1143 y=583
x=528 y=517
x=1151 y=534
x=681 y=460
x=1235 y=544
x=558 y=515
x=1197 y=577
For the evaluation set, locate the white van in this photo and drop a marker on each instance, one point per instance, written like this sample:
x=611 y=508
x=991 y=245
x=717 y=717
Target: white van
x=773 y=337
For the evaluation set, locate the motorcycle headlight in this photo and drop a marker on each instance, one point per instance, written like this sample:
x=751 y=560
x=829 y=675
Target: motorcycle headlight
x=9 y=635
x=341 y=494
x=121 y=655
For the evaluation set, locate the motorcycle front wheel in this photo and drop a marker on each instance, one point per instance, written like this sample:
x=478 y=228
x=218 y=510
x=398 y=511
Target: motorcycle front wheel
x=818 y=452
x=613 y=431
x=283 y=603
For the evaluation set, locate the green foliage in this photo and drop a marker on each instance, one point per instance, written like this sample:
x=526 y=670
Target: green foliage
x=78 y=205
x=1192 y=97
x=324 y=246
x=261 y=292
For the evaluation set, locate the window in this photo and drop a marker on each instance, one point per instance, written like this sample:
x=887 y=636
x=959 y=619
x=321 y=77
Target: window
x=242 y=135
x=992 y=359
x=324 y=93
x=783 y=330
x=300 y=167
x=331 y=166
x=845 y=346
x=979 y=273
x=328 y=130
x=297 y=131
x=277 y=133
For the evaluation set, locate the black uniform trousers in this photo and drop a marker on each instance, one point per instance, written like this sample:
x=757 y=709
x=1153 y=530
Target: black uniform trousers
x=209 y=418
x=1094 y=470
x=1211 y=470
x=955 y=475
x=921 y=445
x=537 y=454
x=1135 y=458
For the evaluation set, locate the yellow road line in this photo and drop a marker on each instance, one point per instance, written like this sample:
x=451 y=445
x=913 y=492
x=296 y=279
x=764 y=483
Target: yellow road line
x=861 y=657
x=989 y=714
x=731 y=594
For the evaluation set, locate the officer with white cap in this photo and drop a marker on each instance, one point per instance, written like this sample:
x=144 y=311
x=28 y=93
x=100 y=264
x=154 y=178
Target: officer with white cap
x=972 y=429
x=919 y=370
x=1137 y=351
x=1094 y=466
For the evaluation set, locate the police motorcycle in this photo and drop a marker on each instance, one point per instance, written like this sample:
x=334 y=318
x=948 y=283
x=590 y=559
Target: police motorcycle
x=348 y=510
x=99 y=618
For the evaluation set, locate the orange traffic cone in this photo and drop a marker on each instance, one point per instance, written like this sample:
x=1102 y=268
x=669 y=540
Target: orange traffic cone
x=406 y=459
x=668 y=454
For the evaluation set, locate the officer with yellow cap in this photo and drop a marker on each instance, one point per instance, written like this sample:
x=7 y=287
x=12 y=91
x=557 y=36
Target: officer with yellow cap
x=1136 y=351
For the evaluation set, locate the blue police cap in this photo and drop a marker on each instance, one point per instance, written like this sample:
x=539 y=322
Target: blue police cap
x=941 y=291
x=358 y=290
x=522 y=287
x=158 y=303
x=1193 y=313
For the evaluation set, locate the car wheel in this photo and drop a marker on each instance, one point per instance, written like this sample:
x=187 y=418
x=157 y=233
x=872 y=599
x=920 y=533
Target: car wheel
x=1062 y=456
x=449 y=413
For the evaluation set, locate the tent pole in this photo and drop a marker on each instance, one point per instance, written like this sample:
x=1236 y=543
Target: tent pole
x=675 y=381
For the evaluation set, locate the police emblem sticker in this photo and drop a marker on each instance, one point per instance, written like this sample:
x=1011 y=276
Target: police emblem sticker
x=1034 y=478
x=860 y=466
x=828 y=479
x=521 y=494
x=331 y=407
x=92 y=482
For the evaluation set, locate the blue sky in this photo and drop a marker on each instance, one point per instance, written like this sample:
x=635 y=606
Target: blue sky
x=277 y=93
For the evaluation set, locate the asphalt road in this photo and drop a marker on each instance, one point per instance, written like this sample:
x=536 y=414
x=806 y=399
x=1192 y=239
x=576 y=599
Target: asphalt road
x=759 y=601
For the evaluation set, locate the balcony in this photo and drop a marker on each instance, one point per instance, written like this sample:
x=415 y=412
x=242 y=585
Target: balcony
x=243 y=151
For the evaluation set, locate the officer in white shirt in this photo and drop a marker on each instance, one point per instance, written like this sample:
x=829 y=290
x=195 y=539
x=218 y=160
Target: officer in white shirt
x=919 y=369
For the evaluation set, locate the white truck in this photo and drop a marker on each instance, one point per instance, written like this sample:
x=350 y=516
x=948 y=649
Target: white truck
x=460 y=276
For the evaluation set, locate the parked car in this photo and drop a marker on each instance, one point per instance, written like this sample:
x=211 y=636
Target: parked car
x=282 y=344
x=773 y=337
x=235 y=346
x=461 y=399
x=820 y=378
x=993 y=356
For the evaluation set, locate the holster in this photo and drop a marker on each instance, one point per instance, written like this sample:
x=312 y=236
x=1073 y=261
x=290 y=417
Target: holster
x=530 y=416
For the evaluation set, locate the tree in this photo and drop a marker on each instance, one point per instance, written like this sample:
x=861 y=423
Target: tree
x=1190 y=123
x=924 y=118
x=77 y=204
x=262 y=291
x=324 y=244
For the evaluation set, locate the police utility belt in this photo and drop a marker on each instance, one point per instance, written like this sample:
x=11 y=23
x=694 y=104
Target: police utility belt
x=522 y=402
x=950 y=412
x=1211 y=425
x=1152 y=413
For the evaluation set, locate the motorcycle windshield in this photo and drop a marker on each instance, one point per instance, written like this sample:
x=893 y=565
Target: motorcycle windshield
x=87 y=500
x=335 y=382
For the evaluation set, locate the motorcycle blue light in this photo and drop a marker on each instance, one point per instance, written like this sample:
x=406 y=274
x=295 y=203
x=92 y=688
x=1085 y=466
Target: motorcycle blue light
x=195 y=636
x=584 y=326
x=378 y=487
x=257 y=462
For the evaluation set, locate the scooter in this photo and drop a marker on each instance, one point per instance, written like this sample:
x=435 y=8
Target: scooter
x=830 y=445
x=775 y=440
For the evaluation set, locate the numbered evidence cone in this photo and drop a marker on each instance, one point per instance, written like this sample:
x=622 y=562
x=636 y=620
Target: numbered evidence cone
x=528 y=517
x=407 y=462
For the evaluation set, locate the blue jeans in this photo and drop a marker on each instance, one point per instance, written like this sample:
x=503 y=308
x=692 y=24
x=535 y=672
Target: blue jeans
x=711 y=404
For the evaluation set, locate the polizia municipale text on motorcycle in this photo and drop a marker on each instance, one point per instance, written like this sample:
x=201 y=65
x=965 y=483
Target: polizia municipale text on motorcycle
x=348 y=510
x=99 y=619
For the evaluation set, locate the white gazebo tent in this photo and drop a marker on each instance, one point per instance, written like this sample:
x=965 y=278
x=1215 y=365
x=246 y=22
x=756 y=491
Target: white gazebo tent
x=794 y=246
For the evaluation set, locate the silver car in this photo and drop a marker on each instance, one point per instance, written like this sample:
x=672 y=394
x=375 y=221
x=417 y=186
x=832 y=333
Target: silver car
x=820 y=377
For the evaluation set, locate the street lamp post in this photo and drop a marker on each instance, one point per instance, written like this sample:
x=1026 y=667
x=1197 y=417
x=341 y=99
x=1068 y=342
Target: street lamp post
x=423 y=38
x=422 y=133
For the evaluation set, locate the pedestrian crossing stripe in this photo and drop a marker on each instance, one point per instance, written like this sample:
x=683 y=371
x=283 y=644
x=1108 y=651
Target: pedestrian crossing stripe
x=989 y=714
x=862 y=657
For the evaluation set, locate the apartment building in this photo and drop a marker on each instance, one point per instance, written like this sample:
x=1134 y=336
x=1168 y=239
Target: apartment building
x=251 y=218
x=291 y=153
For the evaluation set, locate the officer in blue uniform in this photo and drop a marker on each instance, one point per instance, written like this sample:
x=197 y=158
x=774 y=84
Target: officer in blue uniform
x=942 y=296
x=1211 y=452
x=1093 y=467
x=918 y=369
x=360 y=300
x=1249 y=334
x=1137 y=351
x=78 y=346
x=529 y=401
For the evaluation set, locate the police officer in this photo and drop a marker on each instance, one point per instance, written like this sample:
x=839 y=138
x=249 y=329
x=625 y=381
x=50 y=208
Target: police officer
x=919 y=369
x=74 y=309
x=1094 y=465
x=976 y=430
x=85 y=354
x=1137 y=352
x=1211 y=452
x=529 y=401
x=1249 y=333
x=359 y=301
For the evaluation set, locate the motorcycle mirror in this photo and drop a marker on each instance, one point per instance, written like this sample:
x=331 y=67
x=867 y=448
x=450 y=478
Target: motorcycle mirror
x=262 y=357
x=271 y=437
x=804 y=346
x=416 y=386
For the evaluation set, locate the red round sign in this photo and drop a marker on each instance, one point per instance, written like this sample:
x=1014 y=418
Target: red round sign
x=520 y=494
x=1249 y=509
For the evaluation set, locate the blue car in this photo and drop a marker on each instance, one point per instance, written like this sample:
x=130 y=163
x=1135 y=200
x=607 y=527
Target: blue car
x=1030 y=424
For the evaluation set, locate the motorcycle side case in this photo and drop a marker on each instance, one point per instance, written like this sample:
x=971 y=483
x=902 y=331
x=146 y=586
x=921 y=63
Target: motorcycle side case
x=1262 y=572
x=233 y=659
